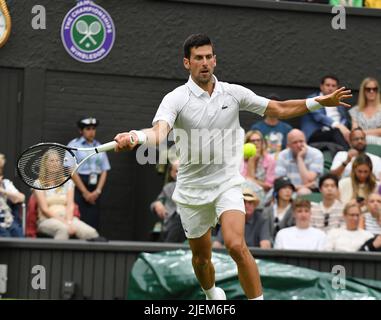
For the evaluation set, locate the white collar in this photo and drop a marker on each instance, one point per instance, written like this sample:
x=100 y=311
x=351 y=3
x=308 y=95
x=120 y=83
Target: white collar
x=198 y=91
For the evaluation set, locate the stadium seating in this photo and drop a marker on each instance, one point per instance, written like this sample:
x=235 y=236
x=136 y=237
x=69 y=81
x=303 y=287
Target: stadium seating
x=374 y=149
x=313 y=197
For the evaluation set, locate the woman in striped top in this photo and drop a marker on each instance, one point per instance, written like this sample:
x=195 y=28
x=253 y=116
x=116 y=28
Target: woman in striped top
x=371 y=220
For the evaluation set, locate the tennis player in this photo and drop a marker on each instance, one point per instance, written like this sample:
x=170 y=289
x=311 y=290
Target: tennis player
x=209 y=191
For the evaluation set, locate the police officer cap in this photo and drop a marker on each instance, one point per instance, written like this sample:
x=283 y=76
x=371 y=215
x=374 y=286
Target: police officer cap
x=87 y=122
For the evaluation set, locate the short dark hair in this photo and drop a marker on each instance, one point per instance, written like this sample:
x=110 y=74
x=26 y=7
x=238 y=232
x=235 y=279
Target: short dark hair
x=329 y=176
x=329 y=76
x=354 y=130
x=195 y=41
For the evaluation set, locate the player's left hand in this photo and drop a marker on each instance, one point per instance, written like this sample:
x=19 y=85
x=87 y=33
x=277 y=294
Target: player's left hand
x=335 y=98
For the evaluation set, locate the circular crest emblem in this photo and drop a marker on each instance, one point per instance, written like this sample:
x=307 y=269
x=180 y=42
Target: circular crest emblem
x=88 y=32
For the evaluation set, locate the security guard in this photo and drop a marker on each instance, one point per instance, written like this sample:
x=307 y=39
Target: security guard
x=91 y=176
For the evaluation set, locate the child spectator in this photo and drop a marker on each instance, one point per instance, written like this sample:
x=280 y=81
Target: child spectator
x=302 y=236
x=371 y=220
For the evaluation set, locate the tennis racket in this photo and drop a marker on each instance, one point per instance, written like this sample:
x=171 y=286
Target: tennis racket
x=47 y=166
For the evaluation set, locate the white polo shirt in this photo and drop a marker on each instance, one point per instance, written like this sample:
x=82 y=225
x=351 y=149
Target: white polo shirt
x=341 y=156
x=208 y=136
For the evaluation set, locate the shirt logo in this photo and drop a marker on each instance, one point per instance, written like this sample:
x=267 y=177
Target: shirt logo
x=88 y=32
x=224 y=107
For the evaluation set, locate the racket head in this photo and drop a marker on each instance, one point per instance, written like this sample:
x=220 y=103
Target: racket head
x=95 y=28
x=46 y=166
x=82 y=27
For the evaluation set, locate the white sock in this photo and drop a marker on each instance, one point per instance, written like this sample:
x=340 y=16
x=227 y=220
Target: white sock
x=257 y=298
x=210 y=293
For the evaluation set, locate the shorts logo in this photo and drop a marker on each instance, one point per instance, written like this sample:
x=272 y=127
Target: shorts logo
x=88 y=32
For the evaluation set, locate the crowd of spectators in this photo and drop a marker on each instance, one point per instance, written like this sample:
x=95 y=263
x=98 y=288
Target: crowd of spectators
x=317 y=188
x=298 y=193
x=374 y=4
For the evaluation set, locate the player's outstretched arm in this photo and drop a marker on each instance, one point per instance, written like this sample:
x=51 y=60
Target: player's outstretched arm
x=293 y=108
x=151 y=136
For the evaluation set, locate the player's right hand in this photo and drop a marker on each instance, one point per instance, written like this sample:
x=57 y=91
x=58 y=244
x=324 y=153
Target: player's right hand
x=126 y=141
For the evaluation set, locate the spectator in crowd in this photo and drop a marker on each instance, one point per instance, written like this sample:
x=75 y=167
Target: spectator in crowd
x=301 y=163
x=257 y=233
x=367 y=113
x=274 y=131
x=165 y=208
x=349 y=238
x=328 y=213
x=56 y=206
x=301 y=236
x=261 y=167
x=251 y=183
x=279 y=212
x=371 y=220
x=373 y=244
x=346 y=3
x=91 y=176
x=9 y=197
x=327 y=124
x=361 y=182
x=376 y=4
x=258 y=190
x=342 y=162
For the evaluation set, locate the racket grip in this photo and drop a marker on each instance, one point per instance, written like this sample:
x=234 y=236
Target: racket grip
x=107 y=146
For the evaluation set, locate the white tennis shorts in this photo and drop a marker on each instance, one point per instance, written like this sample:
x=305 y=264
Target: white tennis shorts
x=198 y=219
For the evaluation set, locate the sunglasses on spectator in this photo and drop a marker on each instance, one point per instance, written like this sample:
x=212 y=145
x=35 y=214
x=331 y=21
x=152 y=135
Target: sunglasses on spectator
x=276 y=224
x=326 y=219
x=375 y=89
x=358 y=139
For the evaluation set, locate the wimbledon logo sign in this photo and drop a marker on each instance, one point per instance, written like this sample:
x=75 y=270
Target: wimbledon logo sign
x=88 y=32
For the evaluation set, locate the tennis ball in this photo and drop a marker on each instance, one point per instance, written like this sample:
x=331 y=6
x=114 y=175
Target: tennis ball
x=249 y=150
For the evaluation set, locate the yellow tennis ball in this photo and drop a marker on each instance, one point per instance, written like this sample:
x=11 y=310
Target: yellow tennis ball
x=249 y=150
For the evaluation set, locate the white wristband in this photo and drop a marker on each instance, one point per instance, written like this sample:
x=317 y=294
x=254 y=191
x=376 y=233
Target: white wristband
x=312 y=104
x=142 y=137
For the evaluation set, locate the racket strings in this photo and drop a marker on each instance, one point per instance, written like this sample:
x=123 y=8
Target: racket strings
x=46 y=166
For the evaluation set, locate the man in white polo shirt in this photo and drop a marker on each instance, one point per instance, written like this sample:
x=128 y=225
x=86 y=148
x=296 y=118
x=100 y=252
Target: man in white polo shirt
x=204 y=115
x=342 y=162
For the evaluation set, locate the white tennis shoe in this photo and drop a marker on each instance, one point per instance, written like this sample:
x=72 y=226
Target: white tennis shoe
x=219 y=294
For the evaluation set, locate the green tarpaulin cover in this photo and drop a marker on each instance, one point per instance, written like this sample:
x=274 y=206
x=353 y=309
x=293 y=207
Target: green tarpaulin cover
x=169 y=275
